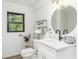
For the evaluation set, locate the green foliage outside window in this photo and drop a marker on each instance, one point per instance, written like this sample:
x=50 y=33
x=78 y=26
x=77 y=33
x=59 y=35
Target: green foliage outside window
x=15 y=22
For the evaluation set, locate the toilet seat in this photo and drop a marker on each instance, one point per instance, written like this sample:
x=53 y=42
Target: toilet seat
x=27 y=52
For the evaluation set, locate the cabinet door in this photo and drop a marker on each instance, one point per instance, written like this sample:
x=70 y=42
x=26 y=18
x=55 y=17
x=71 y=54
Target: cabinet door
x=41 y=56
x=46 y=52
x=44 y=56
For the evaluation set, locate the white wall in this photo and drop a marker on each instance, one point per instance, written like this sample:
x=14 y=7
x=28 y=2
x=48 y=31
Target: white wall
x=12 y=43
x=45 y=10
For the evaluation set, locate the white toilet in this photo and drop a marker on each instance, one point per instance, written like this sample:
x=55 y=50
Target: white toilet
x=30 y=53
x=27 y=53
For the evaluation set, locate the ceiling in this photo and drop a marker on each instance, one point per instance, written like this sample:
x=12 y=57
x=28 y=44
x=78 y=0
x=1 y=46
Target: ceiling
x=24 y=2
x=30 y=3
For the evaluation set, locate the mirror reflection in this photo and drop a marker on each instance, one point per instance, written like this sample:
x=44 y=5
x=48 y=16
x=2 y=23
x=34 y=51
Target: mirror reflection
x=64 y=19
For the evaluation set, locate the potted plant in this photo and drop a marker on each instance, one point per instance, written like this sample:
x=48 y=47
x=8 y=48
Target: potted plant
x=26 y=37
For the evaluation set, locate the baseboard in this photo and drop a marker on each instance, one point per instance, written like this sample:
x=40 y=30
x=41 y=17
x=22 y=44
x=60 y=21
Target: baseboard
x=14 y=54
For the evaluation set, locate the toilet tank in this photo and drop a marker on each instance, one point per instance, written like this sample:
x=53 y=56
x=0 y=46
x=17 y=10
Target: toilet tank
x=35 y=43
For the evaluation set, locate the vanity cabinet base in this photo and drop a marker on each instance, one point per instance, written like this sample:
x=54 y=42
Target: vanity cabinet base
x=49 y=53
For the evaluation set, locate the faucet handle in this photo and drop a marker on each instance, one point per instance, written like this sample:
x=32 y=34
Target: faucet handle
x=58 y=31
x=65 y=31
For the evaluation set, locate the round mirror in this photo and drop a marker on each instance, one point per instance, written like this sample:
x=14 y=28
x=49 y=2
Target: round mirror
x=64 y=18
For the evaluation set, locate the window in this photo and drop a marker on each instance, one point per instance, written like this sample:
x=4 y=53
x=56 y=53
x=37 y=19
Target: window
x=15 y=22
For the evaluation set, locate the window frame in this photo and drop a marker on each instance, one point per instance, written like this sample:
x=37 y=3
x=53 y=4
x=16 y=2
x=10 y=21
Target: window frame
x=15 y=22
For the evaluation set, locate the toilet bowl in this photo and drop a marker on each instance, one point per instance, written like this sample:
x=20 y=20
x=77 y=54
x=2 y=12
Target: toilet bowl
x=30 y=53
x=27 y=53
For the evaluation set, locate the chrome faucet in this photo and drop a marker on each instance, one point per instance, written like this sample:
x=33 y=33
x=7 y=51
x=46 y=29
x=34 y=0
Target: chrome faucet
x=59 y=34
x=65 y=31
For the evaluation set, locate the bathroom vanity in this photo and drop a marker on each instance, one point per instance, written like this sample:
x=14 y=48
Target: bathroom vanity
x=54 y=49
x=63 y=21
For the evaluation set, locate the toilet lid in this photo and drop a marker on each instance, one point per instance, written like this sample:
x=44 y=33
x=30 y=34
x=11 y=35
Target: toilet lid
x=28 y=50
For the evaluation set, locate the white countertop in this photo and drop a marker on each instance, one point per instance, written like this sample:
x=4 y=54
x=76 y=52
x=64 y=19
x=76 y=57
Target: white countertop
x=55 y=44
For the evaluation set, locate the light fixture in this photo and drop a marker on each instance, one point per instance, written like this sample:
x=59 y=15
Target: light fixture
x=58 y=4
